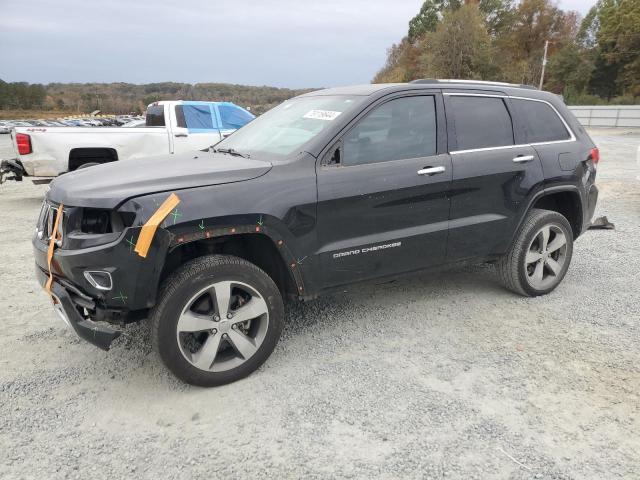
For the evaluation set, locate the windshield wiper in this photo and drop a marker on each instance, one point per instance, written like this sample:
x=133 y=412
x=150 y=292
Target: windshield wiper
x=230 y=151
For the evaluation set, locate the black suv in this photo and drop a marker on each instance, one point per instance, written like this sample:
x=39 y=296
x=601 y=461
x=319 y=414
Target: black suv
x=329 y=188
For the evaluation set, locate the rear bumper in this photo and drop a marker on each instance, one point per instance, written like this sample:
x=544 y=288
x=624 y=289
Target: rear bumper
x=68 y=307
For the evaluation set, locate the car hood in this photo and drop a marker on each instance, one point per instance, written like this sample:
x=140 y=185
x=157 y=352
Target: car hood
x=108 y=185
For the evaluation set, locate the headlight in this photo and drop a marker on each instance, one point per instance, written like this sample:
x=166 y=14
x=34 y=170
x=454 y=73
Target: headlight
x=96 y=221
x=89 y=227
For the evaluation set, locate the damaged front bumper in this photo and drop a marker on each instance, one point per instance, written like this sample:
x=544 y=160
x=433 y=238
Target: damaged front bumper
x=69 y=304
x=81 y=304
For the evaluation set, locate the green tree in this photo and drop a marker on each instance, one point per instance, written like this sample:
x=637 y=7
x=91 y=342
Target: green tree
x=569 y=70
x=619 y=41
x=496 y=14
x=521 y=48
x=460 y=47
x=428 y=17
x=401 y=65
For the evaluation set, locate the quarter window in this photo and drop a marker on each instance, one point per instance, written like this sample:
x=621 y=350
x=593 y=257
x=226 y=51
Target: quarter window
x=399 y=129
x=481 y=122
x=155 y=116
x=540 y=122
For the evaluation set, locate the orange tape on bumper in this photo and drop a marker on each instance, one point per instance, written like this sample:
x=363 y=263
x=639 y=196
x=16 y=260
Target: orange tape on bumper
x=149 y=229
x=55 y=235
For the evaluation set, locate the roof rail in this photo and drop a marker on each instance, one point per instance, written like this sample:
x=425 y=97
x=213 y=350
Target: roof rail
x=481 y=82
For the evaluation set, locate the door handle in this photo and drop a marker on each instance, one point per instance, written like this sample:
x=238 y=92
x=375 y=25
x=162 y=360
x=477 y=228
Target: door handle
x=431 y=170
x=523 y=158
x=181 y=135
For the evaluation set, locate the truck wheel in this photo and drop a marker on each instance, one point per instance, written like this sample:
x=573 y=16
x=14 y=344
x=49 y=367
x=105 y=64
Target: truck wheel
x=538 y=259
x=218 y=319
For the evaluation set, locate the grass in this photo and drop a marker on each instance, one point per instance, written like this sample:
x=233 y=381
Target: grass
x=34 y=114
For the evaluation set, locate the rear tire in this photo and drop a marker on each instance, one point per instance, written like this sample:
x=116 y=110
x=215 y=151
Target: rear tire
x=217 y=320
x=540 y=255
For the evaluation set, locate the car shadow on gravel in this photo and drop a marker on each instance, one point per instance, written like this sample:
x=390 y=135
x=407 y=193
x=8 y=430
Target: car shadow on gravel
x=471 y=280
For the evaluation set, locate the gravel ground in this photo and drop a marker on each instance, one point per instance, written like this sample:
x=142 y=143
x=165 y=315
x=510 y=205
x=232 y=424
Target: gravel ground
x=435 y=375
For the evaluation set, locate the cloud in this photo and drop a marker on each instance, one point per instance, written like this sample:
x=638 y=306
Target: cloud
x=275 y=42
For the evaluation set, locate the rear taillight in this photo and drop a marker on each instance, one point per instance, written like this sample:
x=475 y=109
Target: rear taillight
x=24 y=143
x=594 y=154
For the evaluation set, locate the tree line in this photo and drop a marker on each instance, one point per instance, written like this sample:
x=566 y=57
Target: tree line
x=591 y=60
x=123 y=98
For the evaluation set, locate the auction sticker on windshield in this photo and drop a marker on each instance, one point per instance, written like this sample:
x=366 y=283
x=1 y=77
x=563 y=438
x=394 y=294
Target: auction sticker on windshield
x=322 y=114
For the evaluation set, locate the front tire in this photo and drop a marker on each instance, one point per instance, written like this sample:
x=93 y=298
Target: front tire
x=218 y=319
x=540 y=255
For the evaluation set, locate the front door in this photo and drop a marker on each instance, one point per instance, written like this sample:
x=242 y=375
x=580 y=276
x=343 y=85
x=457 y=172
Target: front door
x=383 y=202
x=194 y=126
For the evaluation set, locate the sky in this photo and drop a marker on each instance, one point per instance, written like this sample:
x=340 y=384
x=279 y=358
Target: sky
x=283 y=43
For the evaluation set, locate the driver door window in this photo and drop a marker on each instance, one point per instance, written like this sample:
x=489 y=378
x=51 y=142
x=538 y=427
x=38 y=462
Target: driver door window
x=402 y=128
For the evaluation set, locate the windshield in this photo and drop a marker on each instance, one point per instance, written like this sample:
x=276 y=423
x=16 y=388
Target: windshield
x=285 y=128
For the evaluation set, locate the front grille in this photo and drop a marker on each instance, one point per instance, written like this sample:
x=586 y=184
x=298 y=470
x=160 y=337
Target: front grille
x=46 y=221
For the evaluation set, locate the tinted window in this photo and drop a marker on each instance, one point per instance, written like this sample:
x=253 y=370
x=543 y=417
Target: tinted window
x=180 y=121
x=155 y=116
x=233 y=117
x=399 y=129
x=481 y=122
x=540 y=123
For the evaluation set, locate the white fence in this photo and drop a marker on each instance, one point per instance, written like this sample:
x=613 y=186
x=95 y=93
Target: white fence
x=608 y=116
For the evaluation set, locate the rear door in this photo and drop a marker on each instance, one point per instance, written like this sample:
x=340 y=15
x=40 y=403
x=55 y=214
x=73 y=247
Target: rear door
x=494 y=175
x=383 y=201
x=194 y=126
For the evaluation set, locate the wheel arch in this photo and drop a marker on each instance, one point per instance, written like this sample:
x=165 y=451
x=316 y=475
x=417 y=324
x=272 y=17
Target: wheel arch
x=269 y=254
x=83 y=155
x=564 y=200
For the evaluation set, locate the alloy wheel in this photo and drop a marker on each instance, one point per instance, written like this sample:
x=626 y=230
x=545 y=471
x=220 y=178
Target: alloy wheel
x=546 y=257
x=222 y=326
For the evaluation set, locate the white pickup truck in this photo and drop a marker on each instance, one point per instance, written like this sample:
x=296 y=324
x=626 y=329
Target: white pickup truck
x=171 y=127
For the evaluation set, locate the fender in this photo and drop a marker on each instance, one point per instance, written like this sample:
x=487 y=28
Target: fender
x=256 y=224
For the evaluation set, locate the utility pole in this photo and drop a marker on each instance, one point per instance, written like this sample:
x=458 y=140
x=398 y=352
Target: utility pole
x=544 y=63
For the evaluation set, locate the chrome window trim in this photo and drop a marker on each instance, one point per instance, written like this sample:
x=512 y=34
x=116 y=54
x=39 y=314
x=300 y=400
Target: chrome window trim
x=502 y=147
x=486 y=149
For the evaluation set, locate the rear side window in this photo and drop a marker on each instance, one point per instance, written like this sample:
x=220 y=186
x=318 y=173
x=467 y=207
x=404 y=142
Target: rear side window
x=155 y=116
x=196 y=117
x=540 y=122
x=399 y=129
x=481 y=122
x=233 y=117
